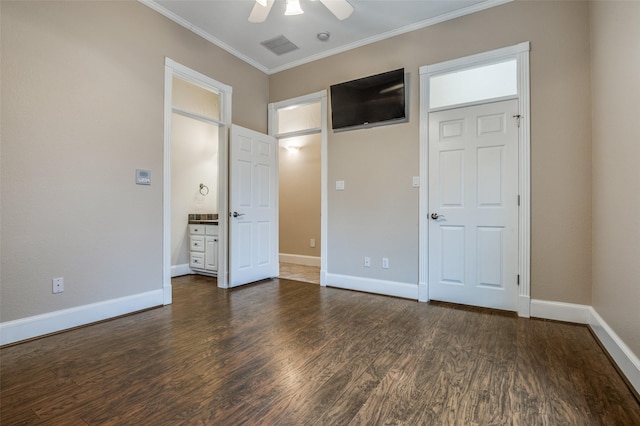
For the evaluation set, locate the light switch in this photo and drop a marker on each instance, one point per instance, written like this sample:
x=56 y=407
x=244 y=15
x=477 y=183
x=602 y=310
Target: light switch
x=339 y=185
x=416 y=181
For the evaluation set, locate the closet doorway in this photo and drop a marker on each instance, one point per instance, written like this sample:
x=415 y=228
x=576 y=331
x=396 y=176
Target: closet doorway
x=475 y=180
x=299 y=124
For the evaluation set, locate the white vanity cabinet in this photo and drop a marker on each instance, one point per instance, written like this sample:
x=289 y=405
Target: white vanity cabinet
x=203 y=248
x=211 y=253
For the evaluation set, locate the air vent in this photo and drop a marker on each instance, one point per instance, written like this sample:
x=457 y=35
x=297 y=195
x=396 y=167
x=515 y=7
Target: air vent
x=280 y=45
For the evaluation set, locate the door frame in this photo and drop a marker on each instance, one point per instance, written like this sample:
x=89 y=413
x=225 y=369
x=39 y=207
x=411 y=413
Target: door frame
x=320 y=96
x=174 y=69
x=519 y=52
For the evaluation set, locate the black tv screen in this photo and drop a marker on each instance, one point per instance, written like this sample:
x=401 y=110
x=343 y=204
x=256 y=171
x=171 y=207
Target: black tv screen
x=370 y=101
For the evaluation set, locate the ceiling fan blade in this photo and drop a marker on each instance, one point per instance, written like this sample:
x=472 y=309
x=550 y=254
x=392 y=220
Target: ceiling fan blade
x=259 y=12
x=341 y=8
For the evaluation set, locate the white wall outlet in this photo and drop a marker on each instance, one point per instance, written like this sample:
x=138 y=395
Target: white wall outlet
x=339 y=185
x=57 y=285
x=312 y=242
x=367 y=262
x=385 y=263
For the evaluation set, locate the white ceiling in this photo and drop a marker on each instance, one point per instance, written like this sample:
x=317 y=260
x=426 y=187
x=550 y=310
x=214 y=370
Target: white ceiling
x=224 y=23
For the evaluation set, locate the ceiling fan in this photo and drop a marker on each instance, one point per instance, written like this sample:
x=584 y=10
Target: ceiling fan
x=340 y=8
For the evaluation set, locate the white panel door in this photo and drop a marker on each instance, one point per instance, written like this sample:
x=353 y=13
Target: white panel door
x=253 y=206
x=473 y=203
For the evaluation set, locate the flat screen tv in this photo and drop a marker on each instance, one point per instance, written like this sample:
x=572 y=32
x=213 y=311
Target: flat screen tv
x=370 y=101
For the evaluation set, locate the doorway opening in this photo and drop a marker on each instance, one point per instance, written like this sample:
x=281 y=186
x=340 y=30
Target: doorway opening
x=299 y=124
x=453 y=86
x=194 y=179
x=197 y=115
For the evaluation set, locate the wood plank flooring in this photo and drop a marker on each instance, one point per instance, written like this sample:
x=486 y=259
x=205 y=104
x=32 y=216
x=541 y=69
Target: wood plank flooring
x=287 y=353
x=302 y=273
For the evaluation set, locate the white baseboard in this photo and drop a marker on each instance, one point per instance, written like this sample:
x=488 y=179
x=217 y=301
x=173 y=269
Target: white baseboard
x=423 y=292
x=299 y=259
x=39 y=325
x=560 y=311
x=167 y=291
x=524 y=306
x=626 y=360
x=370 y=285
x=179 y=270
x=323 y=277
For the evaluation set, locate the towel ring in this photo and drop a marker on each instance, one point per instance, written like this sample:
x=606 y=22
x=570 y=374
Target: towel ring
x=204 y=189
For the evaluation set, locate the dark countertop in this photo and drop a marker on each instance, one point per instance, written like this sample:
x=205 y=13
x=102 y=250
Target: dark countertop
x=203 y=219
x=203 y=222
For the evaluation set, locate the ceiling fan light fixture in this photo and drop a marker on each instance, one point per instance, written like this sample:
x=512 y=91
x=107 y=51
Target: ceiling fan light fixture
x=342 y=9
x=293 y=8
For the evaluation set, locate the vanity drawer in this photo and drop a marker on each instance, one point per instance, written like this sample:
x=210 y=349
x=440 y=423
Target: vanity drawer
x=197 y=260
x=196 y=243
x=196 y=229
x=211 y=229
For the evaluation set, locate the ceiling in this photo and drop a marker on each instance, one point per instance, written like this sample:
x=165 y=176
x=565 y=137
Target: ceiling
x=224 y=23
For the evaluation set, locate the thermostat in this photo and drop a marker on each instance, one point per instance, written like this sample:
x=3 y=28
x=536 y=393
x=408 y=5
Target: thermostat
x=143 y=177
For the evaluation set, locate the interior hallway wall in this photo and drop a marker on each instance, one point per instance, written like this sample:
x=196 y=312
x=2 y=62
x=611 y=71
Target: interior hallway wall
x=300 y=196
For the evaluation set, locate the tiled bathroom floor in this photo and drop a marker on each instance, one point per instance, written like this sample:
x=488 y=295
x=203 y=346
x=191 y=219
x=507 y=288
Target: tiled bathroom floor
x=308 y=274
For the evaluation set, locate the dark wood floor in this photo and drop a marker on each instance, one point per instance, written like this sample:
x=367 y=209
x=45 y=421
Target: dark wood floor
x=283 y=352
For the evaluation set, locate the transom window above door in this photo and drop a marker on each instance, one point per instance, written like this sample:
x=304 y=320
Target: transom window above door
x=294 y=119
x=479 y=83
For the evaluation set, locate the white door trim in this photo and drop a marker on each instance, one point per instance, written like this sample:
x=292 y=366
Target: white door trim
x=520 y=52
x=273 y=125
x=174 y=69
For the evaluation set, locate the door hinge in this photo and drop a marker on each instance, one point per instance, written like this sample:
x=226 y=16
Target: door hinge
x=518 y=199
x=518 y=279
x=517 y=117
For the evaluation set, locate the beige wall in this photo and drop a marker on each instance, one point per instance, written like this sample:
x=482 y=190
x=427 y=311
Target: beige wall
x=615 y=42
x=377 y=214
x=82 y=108
x=300 y=196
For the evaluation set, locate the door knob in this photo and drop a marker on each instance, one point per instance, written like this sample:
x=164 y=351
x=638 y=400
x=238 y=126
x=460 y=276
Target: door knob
x=436 y=216
x=236 y=214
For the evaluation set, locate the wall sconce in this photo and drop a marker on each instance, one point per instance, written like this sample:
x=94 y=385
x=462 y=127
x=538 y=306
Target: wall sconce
x=292 y=148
